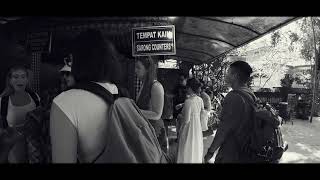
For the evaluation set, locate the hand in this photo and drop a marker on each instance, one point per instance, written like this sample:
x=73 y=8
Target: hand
x=179 y=106
x=9 y=136
x=207 y=157
x=5 y=143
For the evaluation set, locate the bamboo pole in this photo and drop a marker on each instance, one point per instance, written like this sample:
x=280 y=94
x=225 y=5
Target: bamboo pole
x=315 y=78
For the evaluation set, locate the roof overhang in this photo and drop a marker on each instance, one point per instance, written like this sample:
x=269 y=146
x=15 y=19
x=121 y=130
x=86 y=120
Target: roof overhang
x=204 y=39
x=198 y=39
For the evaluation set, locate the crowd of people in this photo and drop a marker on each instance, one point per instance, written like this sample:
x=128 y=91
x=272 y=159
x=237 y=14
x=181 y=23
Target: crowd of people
x=75 y=121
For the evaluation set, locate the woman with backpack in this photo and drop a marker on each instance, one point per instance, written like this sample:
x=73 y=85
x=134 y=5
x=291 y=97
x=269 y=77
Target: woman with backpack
x=78 y=119
x=150 y=98
x=16 y=101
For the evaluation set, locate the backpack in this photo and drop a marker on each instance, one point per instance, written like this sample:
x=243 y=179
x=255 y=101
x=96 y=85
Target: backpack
x=37 y=132
x=265 y=142
x=5 y=102
x=130 y=138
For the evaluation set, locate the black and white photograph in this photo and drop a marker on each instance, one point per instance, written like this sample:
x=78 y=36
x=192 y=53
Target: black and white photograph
x=159 y=90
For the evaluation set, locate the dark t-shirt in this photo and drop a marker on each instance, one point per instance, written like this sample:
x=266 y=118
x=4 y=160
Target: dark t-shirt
x=236 y=113
x=180 y=93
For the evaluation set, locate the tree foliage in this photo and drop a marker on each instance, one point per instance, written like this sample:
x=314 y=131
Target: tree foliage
x=290 y=41
x=300 y=40
x=303 y=78
x=275 y=38
x=259 y=74
x=212 y=73
x=287 y=81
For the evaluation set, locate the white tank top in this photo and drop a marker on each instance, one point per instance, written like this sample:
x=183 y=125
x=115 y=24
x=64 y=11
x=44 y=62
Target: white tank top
x=16 y=117
x=16 y=114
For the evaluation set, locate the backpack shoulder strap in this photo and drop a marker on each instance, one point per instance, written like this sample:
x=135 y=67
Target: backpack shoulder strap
x=4 y=110
x=35 y=97
x=101 y=92
x=247 y=98
x=123 y=92
x=244 y=139
x=97 y=90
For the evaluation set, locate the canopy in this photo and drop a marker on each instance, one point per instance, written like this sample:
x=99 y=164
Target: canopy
x=198 y=39
x=203 y=39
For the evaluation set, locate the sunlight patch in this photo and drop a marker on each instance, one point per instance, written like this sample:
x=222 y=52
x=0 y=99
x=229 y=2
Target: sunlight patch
x=317 y=154
x=304 y=147
x=293 y=157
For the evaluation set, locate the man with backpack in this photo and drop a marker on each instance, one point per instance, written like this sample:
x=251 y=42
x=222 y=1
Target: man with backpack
x=246 y=134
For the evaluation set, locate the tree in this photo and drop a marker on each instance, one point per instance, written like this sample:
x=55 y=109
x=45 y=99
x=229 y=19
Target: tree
x=258 y=73
x=287 y=81
x=286 y=84
x=275 y=38
x=214 y=71
x=303 y=78
x=305 y=39
x=295 y=41
x=269 y=55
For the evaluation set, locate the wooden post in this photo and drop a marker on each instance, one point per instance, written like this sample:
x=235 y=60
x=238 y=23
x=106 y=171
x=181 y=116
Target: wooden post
x=315 y=82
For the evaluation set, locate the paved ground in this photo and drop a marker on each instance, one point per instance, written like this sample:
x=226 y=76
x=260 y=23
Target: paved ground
x=303 y=138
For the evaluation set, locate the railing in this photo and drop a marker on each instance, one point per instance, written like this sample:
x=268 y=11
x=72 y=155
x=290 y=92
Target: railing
x=269 y=97
x=274 y=98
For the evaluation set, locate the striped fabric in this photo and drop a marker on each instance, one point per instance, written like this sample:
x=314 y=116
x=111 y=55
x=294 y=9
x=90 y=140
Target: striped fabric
x=137 y=85
x=35 y=68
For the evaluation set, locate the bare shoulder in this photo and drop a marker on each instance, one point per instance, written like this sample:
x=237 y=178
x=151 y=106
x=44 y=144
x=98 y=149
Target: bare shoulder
x=157 y=86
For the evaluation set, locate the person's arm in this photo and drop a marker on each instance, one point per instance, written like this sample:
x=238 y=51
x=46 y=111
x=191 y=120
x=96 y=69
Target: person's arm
x=204 y=115
x=175 y=96
x=64 y=139
x=157 y=102
x=209 y=105
x=206 y=101
x=4 y=152
x=4 y=147
x=231 y=114
x=38 y=97
x=1 y=123
x=185 y=114
x=8 y=138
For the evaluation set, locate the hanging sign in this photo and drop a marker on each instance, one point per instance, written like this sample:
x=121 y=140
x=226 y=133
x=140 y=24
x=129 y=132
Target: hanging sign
x=154 y=40
x=39 y=41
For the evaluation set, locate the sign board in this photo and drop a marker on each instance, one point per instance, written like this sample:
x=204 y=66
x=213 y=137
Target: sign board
x=168 y=64
x=154 y=40
x=39 y=41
